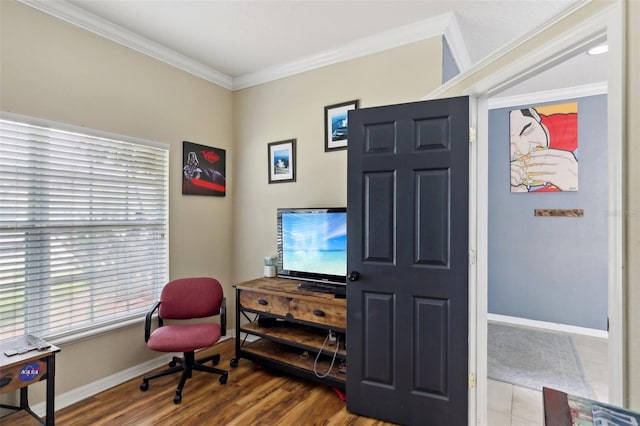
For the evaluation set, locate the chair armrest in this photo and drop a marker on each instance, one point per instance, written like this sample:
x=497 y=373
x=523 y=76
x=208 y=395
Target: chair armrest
x=148 y=319
x=223 y=316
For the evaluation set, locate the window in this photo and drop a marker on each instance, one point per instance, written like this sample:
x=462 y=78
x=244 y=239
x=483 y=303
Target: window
x=83 y=228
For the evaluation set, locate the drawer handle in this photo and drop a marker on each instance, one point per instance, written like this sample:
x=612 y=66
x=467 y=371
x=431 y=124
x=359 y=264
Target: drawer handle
x=318 y=312
x=262 y=302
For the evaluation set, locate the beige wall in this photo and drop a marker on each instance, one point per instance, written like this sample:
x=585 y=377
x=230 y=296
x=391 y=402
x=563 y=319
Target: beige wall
x=632 y=259
x=55 y=71
x=294 y=108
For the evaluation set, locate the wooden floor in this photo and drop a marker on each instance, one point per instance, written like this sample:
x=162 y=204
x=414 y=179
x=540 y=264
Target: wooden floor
x=251 y=396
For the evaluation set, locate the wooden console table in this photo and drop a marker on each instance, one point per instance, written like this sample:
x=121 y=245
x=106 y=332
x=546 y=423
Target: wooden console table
x=20 y=371
x=295 y=331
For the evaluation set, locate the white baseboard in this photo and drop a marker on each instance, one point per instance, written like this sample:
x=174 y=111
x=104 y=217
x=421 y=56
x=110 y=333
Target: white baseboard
x=88 y=390
x=504 y=319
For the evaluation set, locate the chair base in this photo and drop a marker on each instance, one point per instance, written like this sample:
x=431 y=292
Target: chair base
x=186 y=364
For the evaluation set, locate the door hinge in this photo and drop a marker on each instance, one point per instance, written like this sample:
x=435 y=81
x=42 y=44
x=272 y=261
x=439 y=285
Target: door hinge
x=472 y=380
x=472 y=135
x=472 y=257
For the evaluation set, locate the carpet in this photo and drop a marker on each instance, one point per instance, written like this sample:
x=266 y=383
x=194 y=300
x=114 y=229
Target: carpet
x=532 y=359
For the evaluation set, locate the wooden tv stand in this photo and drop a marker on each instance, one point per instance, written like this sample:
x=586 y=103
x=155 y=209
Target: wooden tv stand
x=286 y=328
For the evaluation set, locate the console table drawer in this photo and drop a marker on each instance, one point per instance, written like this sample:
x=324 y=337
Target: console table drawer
x=326 y=314
x=268 y=303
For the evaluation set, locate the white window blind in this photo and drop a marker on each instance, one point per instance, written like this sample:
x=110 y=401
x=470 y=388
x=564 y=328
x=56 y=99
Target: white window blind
x=83 y=229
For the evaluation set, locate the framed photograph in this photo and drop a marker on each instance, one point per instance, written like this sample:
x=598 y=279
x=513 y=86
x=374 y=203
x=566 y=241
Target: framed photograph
x=335 y=125
x=282 y=161
x=203 y=170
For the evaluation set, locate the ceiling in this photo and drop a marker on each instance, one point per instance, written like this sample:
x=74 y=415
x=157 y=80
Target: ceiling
x=240 y=43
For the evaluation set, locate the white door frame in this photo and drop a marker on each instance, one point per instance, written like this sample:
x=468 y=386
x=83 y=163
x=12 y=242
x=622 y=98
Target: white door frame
x=609 y=24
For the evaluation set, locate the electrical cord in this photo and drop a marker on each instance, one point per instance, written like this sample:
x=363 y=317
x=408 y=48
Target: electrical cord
x=333 y=360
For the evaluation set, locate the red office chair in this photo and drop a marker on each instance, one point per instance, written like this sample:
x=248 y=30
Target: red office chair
x=184 y=299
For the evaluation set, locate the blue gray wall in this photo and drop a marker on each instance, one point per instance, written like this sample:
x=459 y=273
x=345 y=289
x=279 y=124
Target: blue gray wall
x=551 y=269
x=449 y=67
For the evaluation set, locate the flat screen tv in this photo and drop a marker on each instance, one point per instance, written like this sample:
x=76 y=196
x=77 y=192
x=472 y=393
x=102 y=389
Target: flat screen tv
x=312 y=244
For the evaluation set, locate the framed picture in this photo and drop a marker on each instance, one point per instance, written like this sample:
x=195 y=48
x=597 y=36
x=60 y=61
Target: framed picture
x=335 y=125
x=282 y=161
x=203 y=170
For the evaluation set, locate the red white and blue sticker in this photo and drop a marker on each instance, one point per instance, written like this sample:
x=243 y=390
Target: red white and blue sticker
x=29 y=372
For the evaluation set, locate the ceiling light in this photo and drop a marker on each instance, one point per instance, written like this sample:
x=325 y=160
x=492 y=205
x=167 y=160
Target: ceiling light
x=598 y=50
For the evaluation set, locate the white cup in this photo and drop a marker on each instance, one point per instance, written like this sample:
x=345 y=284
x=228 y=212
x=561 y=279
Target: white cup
x=269 y=271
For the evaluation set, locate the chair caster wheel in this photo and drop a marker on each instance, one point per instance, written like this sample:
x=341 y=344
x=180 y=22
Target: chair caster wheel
x=172 y=364
x=223 y=379
x=216 y=360
x=177 y=399
x=233 y=362
x=144 y=386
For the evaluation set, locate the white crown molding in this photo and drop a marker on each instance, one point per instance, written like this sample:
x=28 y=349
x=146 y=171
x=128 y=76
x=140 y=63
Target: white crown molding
x=365 y=46
x=90 y=22
x=445 y=24
x=456 y=43
x=549 y=96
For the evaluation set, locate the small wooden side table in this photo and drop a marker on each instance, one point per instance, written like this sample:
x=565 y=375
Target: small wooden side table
x=20 y=371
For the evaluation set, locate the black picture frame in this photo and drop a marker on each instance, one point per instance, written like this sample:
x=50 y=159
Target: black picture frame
x=203 y=170
x=336 y=125
x=281 y=160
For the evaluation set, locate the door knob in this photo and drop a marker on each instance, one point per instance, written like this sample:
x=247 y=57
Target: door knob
x=354 y=276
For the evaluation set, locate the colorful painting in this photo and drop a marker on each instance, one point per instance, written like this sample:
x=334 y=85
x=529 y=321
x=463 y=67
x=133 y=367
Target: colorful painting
x=203 y=170
x=544 y=148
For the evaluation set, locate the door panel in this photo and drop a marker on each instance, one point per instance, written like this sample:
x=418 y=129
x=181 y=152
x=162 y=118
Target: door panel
x=379 y=217
x=431 y=337
x=378 y=354
x=407 y=230
x=432 y=217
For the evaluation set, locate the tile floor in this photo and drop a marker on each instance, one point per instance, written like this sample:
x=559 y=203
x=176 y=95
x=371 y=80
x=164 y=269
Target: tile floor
x=510 y=405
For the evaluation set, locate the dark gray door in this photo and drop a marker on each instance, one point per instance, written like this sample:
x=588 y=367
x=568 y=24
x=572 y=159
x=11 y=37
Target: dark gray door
x=407 y=230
